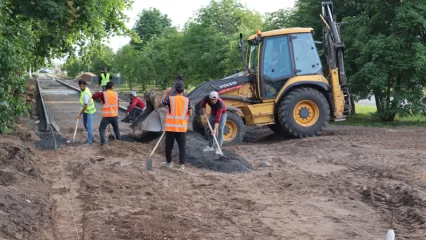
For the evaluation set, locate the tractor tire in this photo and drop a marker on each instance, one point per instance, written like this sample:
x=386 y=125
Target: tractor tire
x=303 y=112
x=233 y=132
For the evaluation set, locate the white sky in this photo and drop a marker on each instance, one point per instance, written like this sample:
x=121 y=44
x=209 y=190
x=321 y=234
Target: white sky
x=179 y=11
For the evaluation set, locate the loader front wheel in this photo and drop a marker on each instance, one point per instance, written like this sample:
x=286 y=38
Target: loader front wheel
x=234 y=130
x=303 y=112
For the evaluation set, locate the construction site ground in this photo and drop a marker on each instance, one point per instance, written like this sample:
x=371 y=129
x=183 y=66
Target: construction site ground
x=348 y=183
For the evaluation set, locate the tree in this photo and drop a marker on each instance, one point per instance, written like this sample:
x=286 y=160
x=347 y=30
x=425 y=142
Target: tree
x=73 y=66
x=33 y=31
x=387 y=54
x=102 y=58
x=277 y=20
x=152 y=23
x=134 y=66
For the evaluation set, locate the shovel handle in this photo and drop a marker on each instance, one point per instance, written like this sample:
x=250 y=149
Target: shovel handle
x=214 y=137
x=75 y=131
x=156 y=145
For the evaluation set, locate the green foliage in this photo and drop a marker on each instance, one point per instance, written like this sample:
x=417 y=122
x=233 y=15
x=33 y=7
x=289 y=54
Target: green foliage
x=134 y=66
x=32 y=32
x=277 y=20
x=387 y=56
x=385 y=51
x=102 y=58
x=16 y=39
x=73 y=66
x=152 y=23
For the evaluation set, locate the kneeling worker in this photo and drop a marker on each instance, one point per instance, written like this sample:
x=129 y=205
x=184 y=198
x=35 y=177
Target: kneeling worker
x=176 y=123
x=110 y=105
x=135 y=108
x=217 y=118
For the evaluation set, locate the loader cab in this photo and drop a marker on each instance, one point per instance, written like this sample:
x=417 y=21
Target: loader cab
x=277 y=56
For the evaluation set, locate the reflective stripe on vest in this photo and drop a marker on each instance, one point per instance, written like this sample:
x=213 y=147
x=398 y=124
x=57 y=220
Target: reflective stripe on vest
x=177 y=118
x=105 y=79
x=110 y=106
x=90 y=109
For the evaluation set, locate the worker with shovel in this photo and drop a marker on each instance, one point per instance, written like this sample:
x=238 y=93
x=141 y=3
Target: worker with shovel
x=217 y=117
x=110 y=103
x=176 y=122
x=88 y=110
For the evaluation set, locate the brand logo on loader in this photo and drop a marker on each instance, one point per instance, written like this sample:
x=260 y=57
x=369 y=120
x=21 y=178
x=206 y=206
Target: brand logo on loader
x=228 y=84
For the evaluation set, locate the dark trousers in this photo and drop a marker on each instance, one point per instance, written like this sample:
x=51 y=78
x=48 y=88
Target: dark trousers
x=135 y=113
x=103 y=88
x=181 y=141
x=104 y=123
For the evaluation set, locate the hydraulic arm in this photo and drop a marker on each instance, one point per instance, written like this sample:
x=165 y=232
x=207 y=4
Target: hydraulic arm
x=334 y=51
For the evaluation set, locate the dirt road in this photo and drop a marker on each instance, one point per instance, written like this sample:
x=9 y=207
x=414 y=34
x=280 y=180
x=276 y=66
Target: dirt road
x=344 y=184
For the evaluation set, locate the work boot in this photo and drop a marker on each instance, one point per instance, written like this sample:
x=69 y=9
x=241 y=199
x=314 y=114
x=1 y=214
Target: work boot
x=126 y=119
x=208 y=149
x=217 y=151
x=182 y=167
x=167 y=165
x=87 y=143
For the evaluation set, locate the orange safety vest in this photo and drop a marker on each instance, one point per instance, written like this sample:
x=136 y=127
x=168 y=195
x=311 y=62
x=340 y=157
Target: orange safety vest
x=110 y=106
x=177 y=118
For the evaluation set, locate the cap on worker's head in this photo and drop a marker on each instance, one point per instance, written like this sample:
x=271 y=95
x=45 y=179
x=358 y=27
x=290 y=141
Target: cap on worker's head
x=179 y=87
x=82 y=81
x=179 y=77
x=213 y=95
x=133 y=93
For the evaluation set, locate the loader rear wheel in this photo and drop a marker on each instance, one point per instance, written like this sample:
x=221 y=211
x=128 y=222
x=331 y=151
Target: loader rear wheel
x=303 y=112
x=234 y=130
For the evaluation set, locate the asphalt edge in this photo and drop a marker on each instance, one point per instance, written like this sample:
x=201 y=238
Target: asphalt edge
x=78 y=90
x=46 y=115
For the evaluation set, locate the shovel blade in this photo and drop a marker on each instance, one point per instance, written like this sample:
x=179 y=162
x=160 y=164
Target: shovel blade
x=149 y=164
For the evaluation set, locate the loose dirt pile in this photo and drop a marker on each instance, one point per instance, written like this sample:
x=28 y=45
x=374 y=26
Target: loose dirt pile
x=25 y=207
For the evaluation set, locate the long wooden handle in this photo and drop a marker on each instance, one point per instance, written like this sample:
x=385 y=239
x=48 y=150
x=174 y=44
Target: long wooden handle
x=214 y=137
x=156 y=145
x=75 y=131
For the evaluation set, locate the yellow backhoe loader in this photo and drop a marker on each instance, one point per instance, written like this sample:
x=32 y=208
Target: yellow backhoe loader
x=283 y=86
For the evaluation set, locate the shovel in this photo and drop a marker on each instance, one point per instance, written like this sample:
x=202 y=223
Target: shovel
x=75 y=132
x=110 y=135
x=149 y=160
x=214 y=136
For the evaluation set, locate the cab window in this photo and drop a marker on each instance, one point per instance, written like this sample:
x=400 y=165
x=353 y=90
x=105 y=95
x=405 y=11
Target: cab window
x=306 y=57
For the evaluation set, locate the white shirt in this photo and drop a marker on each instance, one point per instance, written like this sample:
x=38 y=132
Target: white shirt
x=86 y=99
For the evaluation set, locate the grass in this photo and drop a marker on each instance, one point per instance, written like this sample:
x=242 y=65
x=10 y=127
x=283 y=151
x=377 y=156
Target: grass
x=365 y=117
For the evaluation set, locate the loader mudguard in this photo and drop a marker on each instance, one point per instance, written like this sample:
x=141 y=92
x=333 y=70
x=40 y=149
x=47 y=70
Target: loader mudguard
x=317 y=82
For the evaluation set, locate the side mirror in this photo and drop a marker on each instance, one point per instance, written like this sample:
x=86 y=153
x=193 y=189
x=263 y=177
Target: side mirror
x=239 y=42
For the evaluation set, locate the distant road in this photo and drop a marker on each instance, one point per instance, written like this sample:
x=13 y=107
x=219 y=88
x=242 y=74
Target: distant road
x=367 y=102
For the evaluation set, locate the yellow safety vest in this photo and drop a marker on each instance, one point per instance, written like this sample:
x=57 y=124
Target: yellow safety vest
x=105 y=79
x=177 y=118
x=91 y=109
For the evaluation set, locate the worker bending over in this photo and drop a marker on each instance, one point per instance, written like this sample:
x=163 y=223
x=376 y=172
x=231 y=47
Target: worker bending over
x=217 y=118
x=176 y=123
x=110 y=105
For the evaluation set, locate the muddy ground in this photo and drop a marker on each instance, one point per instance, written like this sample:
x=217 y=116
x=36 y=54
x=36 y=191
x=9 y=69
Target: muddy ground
x=345 y=184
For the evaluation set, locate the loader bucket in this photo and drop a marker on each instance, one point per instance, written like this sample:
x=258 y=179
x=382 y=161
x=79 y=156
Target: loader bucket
x=152 y=118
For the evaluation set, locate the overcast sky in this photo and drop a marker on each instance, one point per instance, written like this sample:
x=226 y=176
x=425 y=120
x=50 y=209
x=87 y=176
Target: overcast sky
x=179 y=11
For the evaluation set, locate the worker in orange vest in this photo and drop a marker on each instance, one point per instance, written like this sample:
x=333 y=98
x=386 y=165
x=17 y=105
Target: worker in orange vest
x=176 y=123
x=110 y=105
